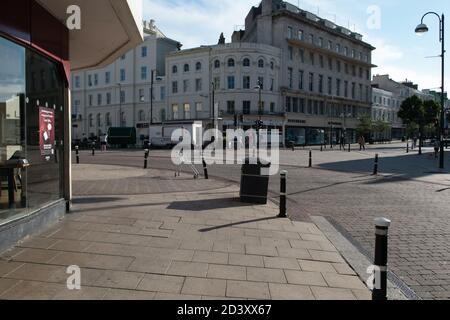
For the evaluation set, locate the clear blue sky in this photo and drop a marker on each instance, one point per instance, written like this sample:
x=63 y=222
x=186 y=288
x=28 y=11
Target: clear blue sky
x=400 y=52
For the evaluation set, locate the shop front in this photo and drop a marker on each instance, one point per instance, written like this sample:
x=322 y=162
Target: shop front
x=35 y=116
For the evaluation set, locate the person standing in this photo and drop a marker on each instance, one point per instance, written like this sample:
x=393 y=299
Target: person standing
x=362 y=143
x=104 y=142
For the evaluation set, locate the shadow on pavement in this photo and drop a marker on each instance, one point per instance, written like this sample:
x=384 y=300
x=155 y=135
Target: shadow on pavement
x=404 y=167
x=210 y=204
x=238 y=224
x=90 y=200
x=127 y=206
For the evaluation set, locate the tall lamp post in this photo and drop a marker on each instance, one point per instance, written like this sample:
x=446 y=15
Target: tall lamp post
x=120 y=104
x=422 y=28
x=259 y=87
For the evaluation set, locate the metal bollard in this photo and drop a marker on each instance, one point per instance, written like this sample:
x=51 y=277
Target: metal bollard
x=407 y=146
x=310 y=158
x=283 y=194
x=205 y=169
x=379 y=292
x=77 y=151
x=147 y=152
x=375 y=167
x=93 y=149
x=349 y=147
x=321 y=148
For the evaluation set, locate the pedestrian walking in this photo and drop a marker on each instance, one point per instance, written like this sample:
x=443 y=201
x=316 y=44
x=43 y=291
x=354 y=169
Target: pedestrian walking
x=362 y=143
x=103 y=142
x=414 y=143
x=436 y=148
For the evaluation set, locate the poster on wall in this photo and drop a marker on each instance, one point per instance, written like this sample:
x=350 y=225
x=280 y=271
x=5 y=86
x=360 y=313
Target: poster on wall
x=47 y=133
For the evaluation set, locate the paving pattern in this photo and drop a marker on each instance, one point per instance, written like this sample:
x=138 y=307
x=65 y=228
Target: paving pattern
x=190 y=245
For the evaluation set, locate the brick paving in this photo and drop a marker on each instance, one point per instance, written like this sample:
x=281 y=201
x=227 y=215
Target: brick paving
x=340 y=187
x=178 y=245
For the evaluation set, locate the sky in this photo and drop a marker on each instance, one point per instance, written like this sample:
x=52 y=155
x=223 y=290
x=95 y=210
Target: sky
x=388 y=25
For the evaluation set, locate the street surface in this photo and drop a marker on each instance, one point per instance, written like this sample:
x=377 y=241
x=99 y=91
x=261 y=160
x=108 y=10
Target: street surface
x=409 y=190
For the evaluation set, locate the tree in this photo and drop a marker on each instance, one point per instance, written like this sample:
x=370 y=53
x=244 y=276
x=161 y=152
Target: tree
x=415 y=110
x=365 y=125
x=381 y=127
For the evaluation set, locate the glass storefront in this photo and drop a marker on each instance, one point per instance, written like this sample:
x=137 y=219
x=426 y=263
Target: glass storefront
x=31 y=131
x=305 y=136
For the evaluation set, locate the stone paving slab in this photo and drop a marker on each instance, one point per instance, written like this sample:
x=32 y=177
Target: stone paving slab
x=170 y=250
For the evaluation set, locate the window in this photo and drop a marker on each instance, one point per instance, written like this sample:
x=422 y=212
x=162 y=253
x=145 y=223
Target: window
x=361 y=93
x=186 y=68
x=330 y=86
x=321 y=61
x=246 y=62
x=91 y=120
x=311 y=81
x=353 y=90
x=217 y=64
x=310 y=107
x=123 y=57
x=320 y=83
x=108 y=98
x=91 y=100
x=141 y=116
x=185 y=85
x=291 y=53
x=272 y=84
x=231 y=63
x=77 y=82
x=300 y=35
x=290 y=77
x=354 y=71
x=321 y=42
x=143 y=52
x=338 y=65
x=99 y=99
x=272 y=65
x=108 y=119
x=231 y=82
x=175 y=112
x=346 y=51
x=360 y=72
x=122 y=96
x=198 y=107
x=122 y=75
x=353 y=53
x=289 y=33
x=330 y=64
x=295 y=105
x=198 y=85
x=230 y=107
x=301 y=105
x=338 y=48
x=272 y=107
x=330 y=45
x=246 y=82
x=141 y=95
x=302 y=55
x=246 y=105
x=95 y=79
x=174 y=69
x=187 y=111
x=346 y=89
x=90 y=80
x=300 y=80
x=198 y=66
x=260 y=63
x=288 y=104
x=216 y=83
x=311 y=38
x=107 y=77
x=338 y=87
x=174 y=87
x=143 y=73
x=162 y=93
x=311 y=58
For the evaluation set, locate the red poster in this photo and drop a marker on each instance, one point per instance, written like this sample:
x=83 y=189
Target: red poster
x=47 y=132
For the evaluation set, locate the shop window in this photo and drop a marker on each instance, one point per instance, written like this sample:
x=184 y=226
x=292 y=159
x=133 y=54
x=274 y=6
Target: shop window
x=30 y=151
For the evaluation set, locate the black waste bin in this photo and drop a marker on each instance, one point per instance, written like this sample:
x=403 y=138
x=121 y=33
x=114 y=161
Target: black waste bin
x=254 y=181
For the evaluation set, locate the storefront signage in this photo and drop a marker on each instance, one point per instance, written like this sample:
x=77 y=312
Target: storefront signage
x=47 y=132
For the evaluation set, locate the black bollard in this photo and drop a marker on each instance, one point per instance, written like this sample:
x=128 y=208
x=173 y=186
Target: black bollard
x=77 y=151
x=147 y=152
x=283 y=194
x=321 y=147
x=310 y=158
x=407 y=146
x=205 y=169
x=379 y=292
x=93 y=149
x=349 y=147
x=375 y=167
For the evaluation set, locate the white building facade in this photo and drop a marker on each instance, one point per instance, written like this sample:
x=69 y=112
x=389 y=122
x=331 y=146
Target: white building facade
x=119 y=94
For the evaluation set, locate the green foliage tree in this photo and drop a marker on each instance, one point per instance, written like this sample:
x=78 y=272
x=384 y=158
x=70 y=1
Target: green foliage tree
x=365 y=125
x=415 y=110
x=381 y=127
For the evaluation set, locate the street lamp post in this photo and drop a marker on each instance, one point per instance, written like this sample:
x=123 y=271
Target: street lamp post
x=422 y=28
x=120 y=104
x=151 y=97
x=259 y=87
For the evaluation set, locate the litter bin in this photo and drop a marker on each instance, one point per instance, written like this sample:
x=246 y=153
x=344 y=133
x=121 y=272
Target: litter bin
x=254 y=183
